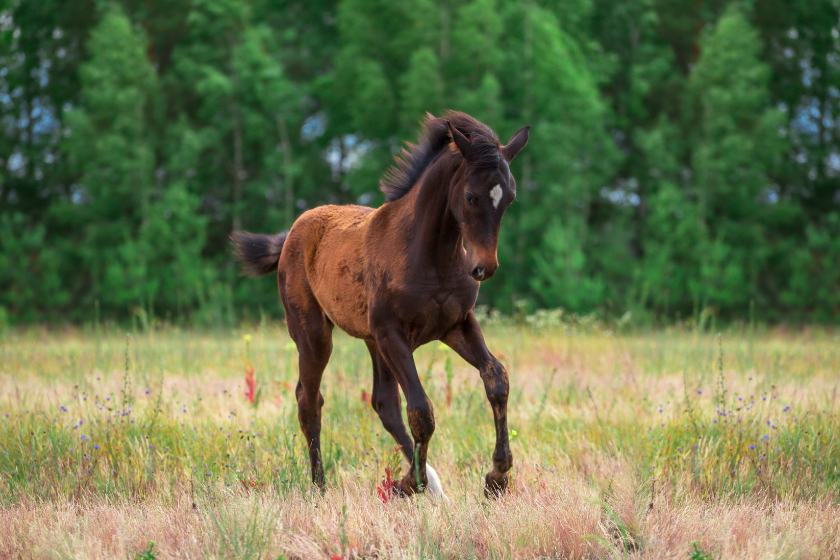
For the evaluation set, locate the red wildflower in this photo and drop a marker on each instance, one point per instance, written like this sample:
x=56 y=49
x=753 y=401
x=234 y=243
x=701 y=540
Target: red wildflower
x=251 y=484
x=365 y=396
x=385 y=488
x=251 y=383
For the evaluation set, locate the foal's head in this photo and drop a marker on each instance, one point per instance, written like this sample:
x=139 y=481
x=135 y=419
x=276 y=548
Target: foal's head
x=484 y=191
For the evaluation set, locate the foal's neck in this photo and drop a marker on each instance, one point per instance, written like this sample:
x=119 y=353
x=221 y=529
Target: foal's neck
x=437 y=234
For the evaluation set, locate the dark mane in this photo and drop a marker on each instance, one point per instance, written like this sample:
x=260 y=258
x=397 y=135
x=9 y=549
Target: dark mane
x=434 y=138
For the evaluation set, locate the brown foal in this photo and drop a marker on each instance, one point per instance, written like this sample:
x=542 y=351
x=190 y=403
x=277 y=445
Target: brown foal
x=398 y=277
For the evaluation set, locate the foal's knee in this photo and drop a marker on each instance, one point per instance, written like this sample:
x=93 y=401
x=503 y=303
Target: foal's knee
x=378 y=403
x=308 y=397
x=421 y=420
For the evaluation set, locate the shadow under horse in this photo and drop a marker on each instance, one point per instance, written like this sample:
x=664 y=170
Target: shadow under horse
x=398 y=277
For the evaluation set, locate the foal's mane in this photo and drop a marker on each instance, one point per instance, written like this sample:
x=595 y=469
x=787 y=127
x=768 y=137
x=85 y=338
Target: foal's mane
x=413 y=160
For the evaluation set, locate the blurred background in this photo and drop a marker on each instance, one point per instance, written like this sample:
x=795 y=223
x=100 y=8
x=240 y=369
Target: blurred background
x=684 y=158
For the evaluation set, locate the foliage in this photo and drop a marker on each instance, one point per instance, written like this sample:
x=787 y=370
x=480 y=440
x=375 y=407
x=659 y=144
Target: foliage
x=681 y=157
x=698 y=553
x=147 y=554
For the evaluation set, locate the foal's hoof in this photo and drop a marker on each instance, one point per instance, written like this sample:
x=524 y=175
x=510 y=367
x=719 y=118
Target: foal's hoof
x=495 y=485
x=405 y=487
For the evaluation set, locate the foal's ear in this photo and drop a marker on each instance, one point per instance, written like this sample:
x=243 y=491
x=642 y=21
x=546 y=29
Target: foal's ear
x=460 y=140
x=517 y=142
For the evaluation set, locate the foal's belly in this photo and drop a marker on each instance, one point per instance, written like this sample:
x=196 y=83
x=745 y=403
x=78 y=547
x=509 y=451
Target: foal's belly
x=338 y=285
x=344 y=302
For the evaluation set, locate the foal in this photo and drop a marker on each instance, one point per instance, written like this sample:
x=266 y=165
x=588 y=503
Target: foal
x=398 y=277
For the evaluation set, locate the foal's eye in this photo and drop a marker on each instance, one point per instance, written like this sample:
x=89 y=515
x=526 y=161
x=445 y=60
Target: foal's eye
x=470 y=198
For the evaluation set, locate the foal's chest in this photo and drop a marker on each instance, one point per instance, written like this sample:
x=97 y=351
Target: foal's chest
x=436 y=311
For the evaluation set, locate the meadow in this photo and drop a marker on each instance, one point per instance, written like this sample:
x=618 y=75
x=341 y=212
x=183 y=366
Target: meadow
x=675 y=443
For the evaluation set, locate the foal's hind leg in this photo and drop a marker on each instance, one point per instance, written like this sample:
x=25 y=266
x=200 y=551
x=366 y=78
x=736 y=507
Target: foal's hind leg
x=312 y=333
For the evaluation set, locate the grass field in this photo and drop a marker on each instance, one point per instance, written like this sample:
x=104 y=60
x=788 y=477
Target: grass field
x=671 y=444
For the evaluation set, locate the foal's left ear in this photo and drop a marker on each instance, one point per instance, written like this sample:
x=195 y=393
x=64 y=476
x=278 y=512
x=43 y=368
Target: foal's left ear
x=517 y=142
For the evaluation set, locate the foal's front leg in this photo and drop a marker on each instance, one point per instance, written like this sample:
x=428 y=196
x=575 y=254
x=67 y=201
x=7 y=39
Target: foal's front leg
x=421 y=417
x=466 y=339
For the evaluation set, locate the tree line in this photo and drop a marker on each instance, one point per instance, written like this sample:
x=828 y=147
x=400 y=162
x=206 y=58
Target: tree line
x=683 y=156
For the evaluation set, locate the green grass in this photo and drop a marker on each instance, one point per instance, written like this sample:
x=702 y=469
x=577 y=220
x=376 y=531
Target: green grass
x=147 y=554
x=670 y=419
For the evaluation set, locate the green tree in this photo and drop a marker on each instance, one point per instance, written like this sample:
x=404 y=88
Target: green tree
x=110 y=142
x=141 y=237
x=40 y=52
x=421 y=89
x=682 y=154
x=560 y=173
x=735 y=146
x=474 y=55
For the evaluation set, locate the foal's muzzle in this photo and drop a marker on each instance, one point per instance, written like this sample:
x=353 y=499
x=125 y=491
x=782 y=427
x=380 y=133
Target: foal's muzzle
x=482 y=272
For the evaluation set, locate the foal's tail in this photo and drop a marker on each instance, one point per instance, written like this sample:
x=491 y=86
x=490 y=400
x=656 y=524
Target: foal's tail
x=259 y=254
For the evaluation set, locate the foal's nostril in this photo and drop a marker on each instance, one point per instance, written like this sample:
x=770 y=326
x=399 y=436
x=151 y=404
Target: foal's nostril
x=478 y=272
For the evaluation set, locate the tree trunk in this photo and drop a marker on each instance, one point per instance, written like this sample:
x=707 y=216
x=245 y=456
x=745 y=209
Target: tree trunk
x=238 y=170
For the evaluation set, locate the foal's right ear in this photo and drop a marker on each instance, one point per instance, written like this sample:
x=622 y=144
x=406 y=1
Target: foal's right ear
x=460 y=140
x=517 y=142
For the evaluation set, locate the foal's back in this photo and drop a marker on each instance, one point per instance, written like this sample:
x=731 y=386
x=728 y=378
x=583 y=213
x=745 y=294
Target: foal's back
x=323 y=259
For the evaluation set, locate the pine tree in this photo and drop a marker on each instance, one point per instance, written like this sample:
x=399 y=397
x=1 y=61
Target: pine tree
x=735 y=144
x=109 y=142
x=560 y=172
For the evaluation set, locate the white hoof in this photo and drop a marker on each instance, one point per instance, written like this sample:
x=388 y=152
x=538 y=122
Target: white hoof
x=434 y=489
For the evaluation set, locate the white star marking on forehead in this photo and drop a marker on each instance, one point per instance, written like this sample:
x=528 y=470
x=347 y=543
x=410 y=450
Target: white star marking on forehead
x=496 y=195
